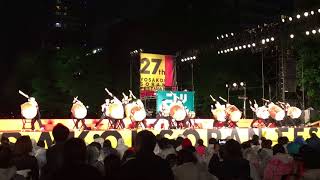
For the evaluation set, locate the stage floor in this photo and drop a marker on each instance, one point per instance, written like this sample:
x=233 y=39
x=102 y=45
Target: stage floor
x=12 y=128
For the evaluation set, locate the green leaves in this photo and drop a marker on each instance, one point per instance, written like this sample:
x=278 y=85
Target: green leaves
x=55 y=78
x=309 y=69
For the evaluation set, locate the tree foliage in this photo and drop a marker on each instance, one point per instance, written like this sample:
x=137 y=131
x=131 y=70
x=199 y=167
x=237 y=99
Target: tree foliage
x=54 y=78
x=309 y=69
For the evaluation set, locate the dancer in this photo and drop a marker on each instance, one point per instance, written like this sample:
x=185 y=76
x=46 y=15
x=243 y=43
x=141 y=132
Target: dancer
x=79 y=112
x=276 y=112
x=178 y=112
x=104 y=109
x=233 y=114
x=137 y=112
x=164 y=113
x=261 y=115
x=292 y=114
x=32 y=110
x=116 y=111
x=219 y=114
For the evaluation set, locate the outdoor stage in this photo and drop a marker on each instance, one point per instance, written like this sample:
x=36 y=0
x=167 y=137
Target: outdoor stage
x=12 y=128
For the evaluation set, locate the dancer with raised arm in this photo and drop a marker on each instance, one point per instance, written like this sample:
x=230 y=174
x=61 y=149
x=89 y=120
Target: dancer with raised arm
x=116 y=111
x=79 y=112
x=30 y=110
x=219 y=114
x=104 y=110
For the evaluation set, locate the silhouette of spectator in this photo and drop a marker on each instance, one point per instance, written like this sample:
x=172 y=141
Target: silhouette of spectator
x=54 y=154
x=128 y=155
x=112 y=167
x=93 y=155
x=233 y=165
x=7 y=171
x=107 y=149
x=146 y=165
x=311 y=163
x=23 y=161
x=121 y=147
x=188 y=169
x=74 y=164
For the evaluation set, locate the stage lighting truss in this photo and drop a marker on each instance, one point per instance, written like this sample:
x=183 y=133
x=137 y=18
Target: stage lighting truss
x=225 y=36
x=313 y=31
x=267 y=40
x=269 y=32
x=190 y=58
x=237 y=48
x=298 y=16
x=136 y=52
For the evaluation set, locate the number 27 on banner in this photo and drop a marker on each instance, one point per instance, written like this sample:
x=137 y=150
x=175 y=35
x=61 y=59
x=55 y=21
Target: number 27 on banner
x=151 y=66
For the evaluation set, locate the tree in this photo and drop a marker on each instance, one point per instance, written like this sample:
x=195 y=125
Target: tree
x=54 y=78
x=309 y=69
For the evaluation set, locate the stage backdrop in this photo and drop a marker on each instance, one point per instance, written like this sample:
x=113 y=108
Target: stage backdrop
x=186 y=96
x=156 y=72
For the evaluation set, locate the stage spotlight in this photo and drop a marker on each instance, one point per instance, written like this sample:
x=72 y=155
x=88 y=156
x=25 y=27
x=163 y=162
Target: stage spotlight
x=227 y=85
x=283 y=20
x=312 y=12
x=221 y=52
x=225 y=51
x=253 y=44
x=298 y=16
x=267 y=40
x=226 y=35
x=318 y=10
x=242 y=84
x=263 y=41
x=240 y=47
x=231 y=49
x=218 y=52
x=228 y=50
x=222 y=36
x=234 y=84
x=272 y=38
x=290 y=18
x=194 y=57
x=244 y=46
x=187 y=58
x=217 y=38
x=314 y=31
x=236 y=48
x=319 y=30
x=306 y=14
x=291 y=36
x=232 y=34
x=307 y=33
x=249 y=46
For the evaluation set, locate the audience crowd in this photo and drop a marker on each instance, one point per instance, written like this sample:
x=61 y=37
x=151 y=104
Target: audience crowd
x=158 y=158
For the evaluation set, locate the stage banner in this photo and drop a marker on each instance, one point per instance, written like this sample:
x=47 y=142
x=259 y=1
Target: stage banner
x=156 y=73
x=186 y=96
